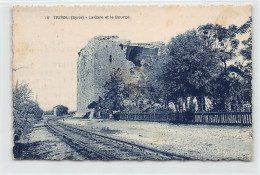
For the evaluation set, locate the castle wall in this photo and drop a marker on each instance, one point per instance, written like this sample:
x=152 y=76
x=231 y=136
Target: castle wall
x=109 y=57
x=85 y=78
x=96 y=61
x=102 y=56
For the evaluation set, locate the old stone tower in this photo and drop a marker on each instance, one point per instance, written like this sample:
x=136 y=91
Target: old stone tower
x=103 y=55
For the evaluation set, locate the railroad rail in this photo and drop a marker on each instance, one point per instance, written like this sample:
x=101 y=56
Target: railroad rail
x=93 y=145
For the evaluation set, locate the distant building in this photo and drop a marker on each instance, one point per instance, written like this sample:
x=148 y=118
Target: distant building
x=60 y=110
x=103 y=55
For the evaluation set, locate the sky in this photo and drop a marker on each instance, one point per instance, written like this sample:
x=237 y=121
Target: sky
x=47 y=48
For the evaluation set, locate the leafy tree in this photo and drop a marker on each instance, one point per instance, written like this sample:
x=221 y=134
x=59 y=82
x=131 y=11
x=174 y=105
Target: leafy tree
x=26 y=112
x=223 y=45
x=246 y=52
x=246 y=65
x=190 y=69
x=242 y=69
x=220 y=41
x=115 y=93
x=202 y=64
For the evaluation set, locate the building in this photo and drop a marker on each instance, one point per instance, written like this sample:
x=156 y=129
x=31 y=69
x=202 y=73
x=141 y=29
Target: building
x=60 y=110
x=103 y=55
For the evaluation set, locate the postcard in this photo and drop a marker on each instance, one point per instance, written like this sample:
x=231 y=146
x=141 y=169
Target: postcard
x=132 y=82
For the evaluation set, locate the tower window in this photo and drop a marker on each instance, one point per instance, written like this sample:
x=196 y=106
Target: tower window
x=110 y=58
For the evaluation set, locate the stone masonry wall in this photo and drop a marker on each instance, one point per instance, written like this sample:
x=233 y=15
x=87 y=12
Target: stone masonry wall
x=99 y=58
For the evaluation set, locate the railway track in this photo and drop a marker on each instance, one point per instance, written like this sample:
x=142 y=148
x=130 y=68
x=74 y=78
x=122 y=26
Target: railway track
x=98 y=146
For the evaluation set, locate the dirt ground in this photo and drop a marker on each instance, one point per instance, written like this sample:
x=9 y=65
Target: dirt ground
x=204 y=142
x=44 y=145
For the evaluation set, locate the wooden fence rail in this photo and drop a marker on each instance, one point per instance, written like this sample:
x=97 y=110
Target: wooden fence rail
x=224 y=117
x=242 y=118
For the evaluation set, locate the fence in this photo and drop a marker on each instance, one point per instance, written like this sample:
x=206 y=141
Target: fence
x=241 y=118
x=224 y=117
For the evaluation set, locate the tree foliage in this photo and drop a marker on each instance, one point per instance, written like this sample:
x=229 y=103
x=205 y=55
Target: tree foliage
x=26 y=112
x=202 y=64
x=115 y=93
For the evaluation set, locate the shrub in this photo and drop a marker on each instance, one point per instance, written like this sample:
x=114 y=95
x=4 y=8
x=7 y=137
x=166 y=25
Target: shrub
x=87 y=115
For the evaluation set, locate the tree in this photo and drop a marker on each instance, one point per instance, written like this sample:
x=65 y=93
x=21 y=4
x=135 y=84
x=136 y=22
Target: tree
x=225 y=89
x=246 y=52
x=202 y=64
x=189 y=70
x=242 y=69
x=26 y=112
x=115 y=93
x=220 y=41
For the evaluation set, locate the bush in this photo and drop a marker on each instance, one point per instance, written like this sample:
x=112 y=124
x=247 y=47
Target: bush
x=86 y=116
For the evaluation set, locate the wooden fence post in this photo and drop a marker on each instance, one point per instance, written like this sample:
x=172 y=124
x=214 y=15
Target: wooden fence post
x=154 y=115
